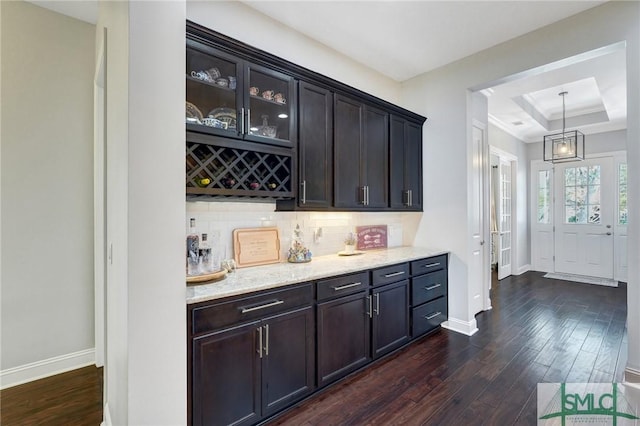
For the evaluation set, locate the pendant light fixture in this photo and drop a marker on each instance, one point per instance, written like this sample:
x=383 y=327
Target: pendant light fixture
x=565 y=146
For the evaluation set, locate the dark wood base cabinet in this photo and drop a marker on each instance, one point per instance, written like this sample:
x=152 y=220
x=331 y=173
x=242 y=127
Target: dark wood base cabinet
x=253 y=356
x=343 y=336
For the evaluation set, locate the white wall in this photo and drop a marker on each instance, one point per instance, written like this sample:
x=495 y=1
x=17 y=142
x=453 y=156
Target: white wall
x=441 y=95
x=502 y=140
x=47 y=188
x=114 y=16
x=239 y=21
x=157 y=320
x=146 y=321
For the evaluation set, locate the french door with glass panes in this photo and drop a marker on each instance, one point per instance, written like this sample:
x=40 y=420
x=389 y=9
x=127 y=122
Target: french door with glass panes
x=584 y=217
x=504 y=224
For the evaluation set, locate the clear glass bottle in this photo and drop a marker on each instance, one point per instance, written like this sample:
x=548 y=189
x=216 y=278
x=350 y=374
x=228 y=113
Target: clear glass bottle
x=206 y=264
x=193 y=243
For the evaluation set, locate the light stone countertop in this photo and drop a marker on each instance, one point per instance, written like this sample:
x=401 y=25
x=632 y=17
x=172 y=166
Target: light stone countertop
x=257 y=278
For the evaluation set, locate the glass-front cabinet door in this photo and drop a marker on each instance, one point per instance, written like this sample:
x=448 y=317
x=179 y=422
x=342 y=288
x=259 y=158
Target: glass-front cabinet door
x=227 y=96
x=269 y=102
x=213 y=87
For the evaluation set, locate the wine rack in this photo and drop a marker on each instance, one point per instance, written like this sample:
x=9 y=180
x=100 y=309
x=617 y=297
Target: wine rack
x=237 y=171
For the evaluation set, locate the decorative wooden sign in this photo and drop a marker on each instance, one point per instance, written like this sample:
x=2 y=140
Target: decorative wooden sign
x=371 y=237
x=256 y=246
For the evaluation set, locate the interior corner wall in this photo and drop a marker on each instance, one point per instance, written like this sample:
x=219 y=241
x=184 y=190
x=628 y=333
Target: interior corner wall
x=239 y=21
x=114 y=17
x=47 y=185
x=157 y=323
x=502 y=140
x=441 y=95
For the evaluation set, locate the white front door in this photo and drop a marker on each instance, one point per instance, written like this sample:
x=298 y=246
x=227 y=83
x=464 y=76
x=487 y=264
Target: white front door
x=584 y=217
x=504 y=220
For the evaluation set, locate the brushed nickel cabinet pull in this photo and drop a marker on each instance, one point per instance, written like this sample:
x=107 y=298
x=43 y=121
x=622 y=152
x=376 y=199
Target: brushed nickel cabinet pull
x=266 y=305
x=410 y=198
x=304 y=191
x=370 y=313
x=266 y=340
x=431 y=265
x=242 y=120
x=432 y=315
x=259 y=341
x=377 y=304
x=394 y=274
x=433 y=286
x=342 y=287
x=248 y=120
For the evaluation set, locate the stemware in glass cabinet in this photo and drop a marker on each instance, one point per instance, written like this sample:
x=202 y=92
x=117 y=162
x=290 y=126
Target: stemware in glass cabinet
x=212 y=100
x=269 y=105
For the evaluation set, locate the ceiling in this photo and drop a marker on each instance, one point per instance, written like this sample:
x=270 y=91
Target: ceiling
x=596 y=99
x=402 y=39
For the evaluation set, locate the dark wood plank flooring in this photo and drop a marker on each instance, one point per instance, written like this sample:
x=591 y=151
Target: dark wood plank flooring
x=539 y=330
x=70 y=399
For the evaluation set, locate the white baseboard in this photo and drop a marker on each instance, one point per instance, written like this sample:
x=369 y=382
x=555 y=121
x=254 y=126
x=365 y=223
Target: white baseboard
x=45 y=368
x=468 y=328
x=631 y=375
x=106 y=415
x=523 y=269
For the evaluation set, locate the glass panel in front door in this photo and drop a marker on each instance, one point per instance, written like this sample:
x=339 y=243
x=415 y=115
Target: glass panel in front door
x=582 y=195
x=622 y=195
x=544 y=196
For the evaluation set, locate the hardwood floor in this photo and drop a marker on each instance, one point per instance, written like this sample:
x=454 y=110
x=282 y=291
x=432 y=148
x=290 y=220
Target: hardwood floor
x=539 y=330
x=69 y=399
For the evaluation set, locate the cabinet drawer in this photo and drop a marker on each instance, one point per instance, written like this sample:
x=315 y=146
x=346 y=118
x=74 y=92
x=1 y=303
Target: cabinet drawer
x=428 y=265
x=428 y=287
x=236 y=311
x=390 y=274
x=429 y=316
x=341 y=286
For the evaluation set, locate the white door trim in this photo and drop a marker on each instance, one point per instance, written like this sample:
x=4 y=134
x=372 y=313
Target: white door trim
x=99 y=204
x=485 y=170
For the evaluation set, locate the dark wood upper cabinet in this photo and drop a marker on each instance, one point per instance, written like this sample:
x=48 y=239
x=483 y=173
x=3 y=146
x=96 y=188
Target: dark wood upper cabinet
x=232 y=97
x=405 y=164
x=375 y=160
x=348 y=135
x=361 y=155
x=315 y=146
x=260 y=127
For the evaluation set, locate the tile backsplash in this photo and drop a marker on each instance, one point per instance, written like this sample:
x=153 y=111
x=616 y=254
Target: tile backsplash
x=219 y=219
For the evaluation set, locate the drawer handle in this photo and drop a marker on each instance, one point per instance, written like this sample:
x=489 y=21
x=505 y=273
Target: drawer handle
x=266 y=305
x=342 y=287
x=432 y=315
x=395 y=274
x=431 y=265
x=433 y=286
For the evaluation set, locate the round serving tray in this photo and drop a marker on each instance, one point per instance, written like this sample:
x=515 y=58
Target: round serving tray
x=214 y=276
